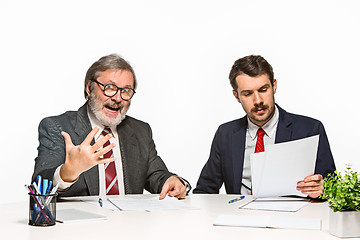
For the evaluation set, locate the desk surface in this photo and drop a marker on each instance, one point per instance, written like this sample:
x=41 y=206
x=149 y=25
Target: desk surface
x=176 y=224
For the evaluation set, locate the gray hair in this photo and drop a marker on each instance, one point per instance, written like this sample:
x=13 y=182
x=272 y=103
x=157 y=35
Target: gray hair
x=112 y=61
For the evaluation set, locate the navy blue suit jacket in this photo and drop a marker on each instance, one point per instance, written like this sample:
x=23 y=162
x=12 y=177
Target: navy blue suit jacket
x=225 y=164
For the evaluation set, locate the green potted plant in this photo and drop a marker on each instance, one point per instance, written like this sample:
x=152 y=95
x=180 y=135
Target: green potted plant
x=343 y=195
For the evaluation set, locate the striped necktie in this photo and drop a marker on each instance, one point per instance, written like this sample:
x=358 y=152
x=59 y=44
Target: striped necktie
x=112 y=187
x=260 y=141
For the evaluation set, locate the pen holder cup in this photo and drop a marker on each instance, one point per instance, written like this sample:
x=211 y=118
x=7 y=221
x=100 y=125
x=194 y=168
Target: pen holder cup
x=42 y=209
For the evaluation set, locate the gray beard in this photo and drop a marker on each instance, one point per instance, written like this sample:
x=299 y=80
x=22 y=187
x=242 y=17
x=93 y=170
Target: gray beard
x=96 y=108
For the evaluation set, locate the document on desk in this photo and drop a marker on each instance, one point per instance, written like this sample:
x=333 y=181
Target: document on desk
x=268 y=222
x=149 y=204
x=276 y=171
x=276 y=204
x=76 y=215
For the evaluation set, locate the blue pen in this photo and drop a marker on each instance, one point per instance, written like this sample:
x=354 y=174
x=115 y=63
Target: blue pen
x=44 y=186
x=49 y=187
x=236 y=199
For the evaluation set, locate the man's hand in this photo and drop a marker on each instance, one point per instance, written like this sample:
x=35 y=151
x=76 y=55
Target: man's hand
x=311 y=185
x=84 y=156
x=174 y=188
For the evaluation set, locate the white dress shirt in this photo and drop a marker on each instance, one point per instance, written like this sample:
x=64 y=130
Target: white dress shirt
x=118 y=163
x=250 y=143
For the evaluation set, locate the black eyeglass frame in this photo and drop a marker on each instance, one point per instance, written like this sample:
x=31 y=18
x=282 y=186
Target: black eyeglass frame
x=117 y=89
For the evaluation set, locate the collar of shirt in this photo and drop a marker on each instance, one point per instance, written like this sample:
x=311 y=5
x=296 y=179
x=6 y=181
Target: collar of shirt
x=269 y=127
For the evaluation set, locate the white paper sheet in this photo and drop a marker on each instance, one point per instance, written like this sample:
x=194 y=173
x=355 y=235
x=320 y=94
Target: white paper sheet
x=150 y=204
x=268 y=221
x=276 y=171
x=292 y=205
x=76 y=215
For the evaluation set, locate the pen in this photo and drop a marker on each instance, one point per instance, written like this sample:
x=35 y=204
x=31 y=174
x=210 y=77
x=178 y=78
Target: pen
x=38 y=179
x=236 y=199
x=53 y=191
x=45 y=186
x=37 y=191
x=49 y=187
x=36 y=188
x=100 y=202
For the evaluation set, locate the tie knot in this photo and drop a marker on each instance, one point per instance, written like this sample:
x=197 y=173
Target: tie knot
x=106 y=131
x=260 y=132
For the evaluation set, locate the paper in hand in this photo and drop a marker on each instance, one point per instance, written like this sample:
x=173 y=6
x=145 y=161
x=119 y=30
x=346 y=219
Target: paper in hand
x=276 y=171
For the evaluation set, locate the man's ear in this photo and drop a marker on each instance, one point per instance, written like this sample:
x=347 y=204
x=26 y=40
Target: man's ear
x=88 y=88
x=274 y=85
x=236 y=95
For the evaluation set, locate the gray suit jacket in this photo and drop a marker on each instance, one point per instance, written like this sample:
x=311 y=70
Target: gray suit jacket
x=142 y=167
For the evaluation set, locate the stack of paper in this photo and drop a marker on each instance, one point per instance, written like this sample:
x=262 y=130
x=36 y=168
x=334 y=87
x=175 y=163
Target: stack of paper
x=268 y=222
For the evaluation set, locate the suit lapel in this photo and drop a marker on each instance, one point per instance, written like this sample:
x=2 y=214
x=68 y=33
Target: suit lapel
x=237 y=153
x=83 y=128
x=130 y=153
x=284 y=129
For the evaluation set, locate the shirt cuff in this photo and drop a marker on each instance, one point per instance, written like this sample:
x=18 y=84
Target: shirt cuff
x=57 y=179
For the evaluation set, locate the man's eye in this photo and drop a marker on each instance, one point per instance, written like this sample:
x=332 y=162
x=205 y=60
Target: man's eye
x=263 y=90
x=125 y=90
x=110 y=87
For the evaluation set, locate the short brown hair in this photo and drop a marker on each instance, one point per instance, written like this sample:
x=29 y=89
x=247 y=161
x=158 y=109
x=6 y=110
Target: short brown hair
x=253 y=65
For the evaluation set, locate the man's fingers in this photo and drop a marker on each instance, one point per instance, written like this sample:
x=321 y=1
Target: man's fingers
x=310 y=184
x=100 y=143
x=310 y=188
x=174 y=192
x=181 y=196
x=312 y=194
x=316 y=177
x=105 y=160
x=313 y=188
x=104 y=150
x=90 y=136
x=67 y=138
x=165 y=189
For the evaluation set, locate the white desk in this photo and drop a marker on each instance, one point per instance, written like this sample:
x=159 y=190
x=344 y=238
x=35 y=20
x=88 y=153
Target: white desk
x=177 y=224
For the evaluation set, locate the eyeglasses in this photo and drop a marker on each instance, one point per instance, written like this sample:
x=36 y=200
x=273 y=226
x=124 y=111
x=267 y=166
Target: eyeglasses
x=111 y=90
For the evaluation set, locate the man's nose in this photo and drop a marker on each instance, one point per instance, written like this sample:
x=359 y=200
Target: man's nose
x=257 y=98
x=117 y=97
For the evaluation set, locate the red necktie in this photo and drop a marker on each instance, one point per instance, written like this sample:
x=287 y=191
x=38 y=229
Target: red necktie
x=260 y=141
x=112 y=187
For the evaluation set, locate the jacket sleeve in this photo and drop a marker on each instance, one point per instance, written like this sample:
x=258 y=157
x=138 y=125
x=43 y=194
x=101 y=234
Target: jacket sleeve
x=211 y=177
x=51 y=149
x=157 y=172
x=324 y=161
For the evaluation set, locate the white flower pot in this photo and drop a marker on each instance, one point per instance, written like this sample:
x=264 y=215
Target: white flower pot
x=344 y=224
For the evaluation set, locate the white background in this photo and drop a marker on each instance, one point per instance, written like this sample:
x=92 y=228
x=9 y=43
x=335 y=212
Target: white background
x=182 y=52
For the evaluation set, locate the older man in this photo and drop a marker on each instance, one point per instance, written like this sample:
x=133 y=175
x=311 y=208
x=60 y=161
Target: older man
x=98 y=150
